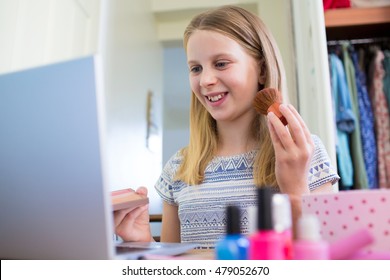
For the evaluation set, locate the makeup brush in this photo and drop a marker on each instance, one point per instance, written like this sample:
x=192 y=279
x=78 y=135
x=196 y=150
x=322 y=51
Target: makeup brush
x=268 y=100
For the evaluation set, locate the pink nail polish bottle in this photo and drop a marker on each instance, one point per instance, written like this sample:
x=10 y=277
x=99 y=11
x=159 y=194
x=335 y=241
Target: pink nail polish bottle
x=266 y=243
x=309 y=244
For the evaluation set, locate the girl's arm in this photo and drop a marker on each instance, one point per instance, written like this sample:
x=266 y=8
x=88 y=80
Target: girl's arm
x=296 y=203
x=325 y=188
x=294 y=149
x=170 y=229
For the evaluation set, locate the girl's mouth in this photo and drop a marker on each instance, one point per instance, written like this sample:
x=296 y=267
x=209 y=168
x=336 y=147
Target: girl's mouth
x=216 y=98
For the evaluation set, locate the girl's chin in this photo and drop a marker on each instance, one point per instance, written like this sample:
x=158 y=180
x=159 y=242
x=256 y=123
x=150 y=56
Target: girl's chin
x=219 y=117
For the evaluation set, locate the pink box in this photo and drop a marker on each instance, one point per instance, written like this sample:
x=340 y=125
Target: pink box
x=344 y=213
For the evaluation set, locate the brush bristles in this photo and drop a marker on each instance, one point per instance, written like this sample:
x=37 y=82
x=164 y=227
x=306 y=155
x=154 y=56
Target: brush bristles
x=264 y=99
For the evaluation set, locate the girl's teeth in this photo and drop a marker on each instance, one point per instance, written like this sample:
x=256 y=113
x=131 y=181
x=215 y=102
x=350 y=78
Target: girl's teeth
x=215 y=98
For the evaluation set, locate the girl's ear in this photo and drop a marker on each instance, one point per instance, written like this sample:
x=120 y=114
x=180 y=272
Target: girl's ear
x=263 y=72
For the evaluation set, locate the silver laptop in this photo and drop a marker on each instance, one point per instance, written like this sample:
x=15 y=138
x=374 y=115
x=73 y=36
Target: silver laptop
x=54 y=198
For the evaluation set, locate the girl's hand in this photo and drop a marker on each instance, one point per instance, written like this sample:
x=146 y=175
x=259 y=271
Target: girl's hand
x=133 y=224
x=294 y=148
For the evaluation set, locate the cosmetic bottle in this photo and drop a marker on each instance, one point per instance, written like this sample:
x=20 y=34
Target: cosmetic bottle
x=309 y=244
x=252 y=219
x=266 y=243
x=233 y=246
x=347 y=247
x=282 y=219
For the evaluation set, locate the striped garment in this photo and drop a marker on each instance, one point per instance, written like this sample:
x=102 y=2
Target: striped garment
x=227 y=181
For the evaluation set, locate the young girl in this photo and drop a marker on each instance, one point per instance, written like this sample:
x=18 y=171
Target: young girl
x=231 y=55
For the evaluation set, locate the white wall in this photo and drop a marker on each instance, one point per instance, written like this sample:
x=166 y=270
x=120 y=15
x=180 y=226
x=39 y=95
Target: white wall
x=39 y=32
x=133 y=66
x=277 y=15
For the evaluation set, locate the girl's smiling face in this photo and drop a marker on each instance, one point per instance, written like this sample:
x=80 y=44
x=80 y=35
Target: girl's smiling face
x=223 y=76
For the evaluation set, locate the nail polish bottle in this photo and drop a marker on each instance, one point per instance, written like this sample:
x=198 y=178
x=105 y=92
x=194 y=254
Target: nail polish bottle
x=252 y=219
x=233 y=246
x=282 y=219
x=309 y=244
x=266 y=243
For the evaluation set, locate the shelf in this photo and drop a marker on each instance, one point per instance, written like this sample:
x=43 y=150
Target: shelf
x=357 y=23
x=357 y=16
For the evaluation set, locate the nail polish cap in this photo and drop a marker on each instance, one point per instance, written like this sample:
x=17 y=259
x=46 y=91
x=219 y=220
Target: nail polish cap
x=309 y=228
x=233 y=220
x=264 y=214
x=281 y=212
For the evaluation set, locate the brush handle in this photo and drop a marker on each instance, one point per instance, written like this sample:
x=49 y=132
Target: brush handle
x=275 y=109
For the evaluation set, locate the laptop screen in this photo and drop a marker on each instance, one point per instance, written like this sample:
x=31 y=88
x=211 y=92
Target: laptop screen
x=52 y=181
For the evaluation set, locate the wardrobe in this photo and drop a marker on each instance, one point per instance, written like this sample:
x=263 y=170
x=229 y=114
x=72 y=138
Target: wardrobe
x=350 y=32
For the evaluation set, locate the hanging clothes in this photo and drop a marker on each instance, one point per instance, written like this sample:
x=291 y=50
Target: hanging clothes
x=360 y=173
x=386 y=79
x=366 y=119
x=345 y=121
x=382 y=119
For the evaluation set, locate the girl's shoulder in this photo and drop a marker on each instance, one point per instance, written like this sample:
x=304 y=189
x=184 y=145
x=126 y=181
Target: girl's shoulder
x=173 y=164
x=175 y=159
x=316 y=139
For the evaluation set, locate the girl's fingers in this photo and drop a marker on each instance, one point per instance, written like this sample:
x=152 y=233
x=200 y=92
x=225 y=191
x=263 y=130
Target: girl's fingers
x=294 y=124
x=281 y=135
x=129 y=216
x=142 y=191
x=305 y=129
x=119 y=216
x=136 y=212
x=274 y=138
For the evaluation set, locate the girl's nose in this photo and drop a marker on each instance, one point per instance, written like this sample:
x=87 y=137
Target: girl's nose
x=208 y=78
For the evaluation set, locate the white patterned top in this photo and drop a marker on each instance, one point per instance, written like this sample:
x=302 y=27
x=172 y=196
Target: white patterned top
x=227 y=181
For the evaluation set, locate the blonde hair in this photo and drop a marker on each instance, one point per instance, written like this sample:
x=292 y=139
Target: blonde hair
x=250 y=32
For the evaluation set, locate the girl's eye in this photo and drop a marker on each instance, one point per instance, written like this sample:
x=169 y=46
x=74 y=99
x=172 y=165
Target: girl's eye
x=195 y=69
x=221 y=64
